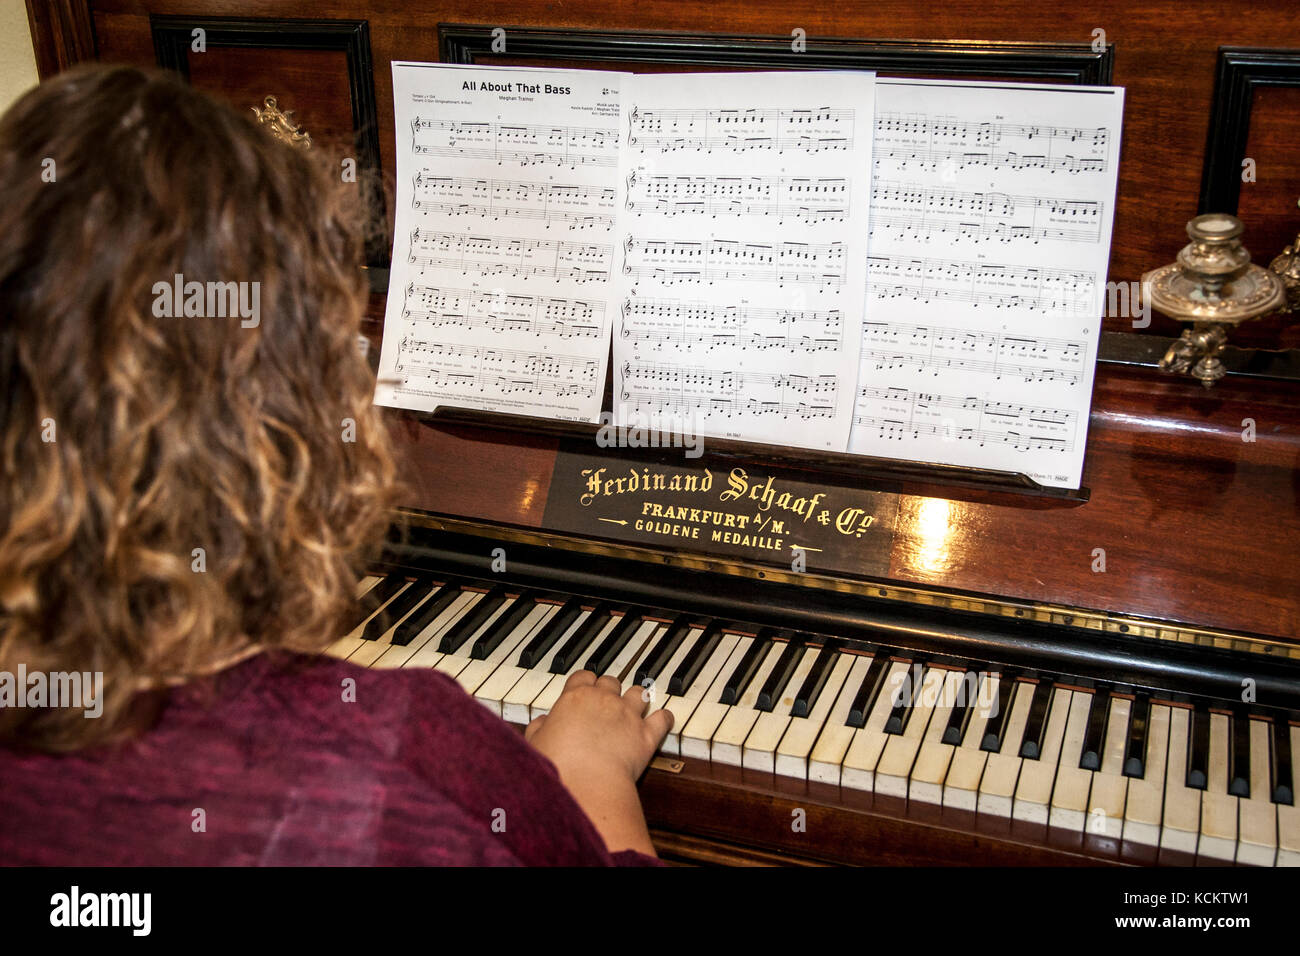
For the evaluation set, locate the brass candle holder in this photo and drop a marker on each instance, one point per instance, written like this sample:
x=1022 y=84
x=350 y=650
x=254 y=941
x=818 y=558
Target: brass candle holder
x=1214 y=287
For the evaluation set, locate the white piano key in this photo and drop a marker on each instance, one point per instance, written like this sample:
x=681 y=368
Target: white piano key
x=635 y=648
x=1257 y=816
x=801 y=735
x=453 y=663
x=365 y=584
x=544 y=701
x=501 y=681
x=516 y=706
x=1146 y=794
x=371 y=651
x=698 y=732
x=641 y=653
x=895 y=767
x=729 y=738
x=682 y=706
x=345 y=646
x=1181 y=822
x=932 y=759
x=1033 y=800
x=478 y=671
x=859 y=769
x=396 y=655
x=1002 y=769
x=759 y=751
x=659 y=695
x=1218 y=807
x=1070 y=793
x=833 y=741
x=961 y=785
x=426 y=653
x=1109 y=785
x=1288 y=817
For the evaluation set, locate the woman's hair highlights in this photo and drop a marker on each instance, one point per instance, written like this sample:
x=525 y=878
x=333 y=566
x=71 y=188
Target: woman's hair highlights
x=179 y=489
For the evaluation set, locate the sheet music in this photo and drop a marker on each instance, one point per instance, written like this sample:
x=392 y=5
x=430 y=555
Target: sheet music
x=501 y=292
x=744 y=254
x=990 y=237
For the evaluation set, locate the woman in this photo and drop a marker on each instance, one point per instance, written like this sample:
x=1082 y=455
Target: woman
x=189 y=495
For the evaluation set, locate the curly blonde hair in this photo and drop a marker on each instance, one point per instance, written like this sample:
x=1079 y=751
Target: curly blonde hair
x=131 y=441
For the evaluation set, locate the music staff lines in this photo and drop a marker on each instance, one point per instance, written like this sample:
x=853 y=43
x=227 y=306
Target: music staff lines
x=917 y=210
x=709 y=392
x=505 y=371
x=582 y=207
x=500 y=312
x=781 y=197
x=506 y=255
x=890 y=345
x=571 y=146
x=660 y=322
x=996 y=284
x=679 y=260
x=806 y=130
x=891 y=125
x=899 y=413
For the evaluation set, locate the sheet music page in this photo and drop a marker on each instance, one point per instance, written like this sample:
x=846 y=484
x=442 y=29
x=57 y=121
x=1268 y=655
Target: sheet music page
x=991 y=225
x=501 y=294
x=744 y=254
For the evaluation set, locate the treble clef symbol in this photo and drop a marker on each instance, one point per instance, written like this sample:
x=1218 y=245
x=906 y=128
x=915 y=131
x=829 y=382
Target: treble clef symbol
x=410 y=289
x=415 y=235
x=415 y=126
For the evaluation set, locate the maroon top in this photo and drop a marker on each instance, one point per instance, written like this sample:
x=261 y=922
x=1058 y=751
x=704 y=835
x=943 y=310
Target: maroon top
x=287 y=772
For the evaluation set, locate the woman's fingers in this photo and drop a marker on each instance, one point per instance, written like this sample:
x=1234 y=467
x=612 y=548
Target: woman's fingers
x=580 y=679
x=534 y=725
x=609 y=684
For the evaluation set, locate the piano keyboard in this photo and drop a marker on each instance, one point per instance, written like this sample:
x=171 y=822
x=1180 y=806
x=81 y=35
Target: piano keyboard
x=1108 y=762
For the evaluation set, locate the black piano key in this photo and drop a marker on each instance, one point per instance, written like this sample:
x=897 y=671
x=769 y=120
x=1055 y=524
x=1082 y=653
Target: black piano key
x=397 y=608
x=607 y=650
x=995 y=727
x=581 y=639
x=426 y=614
x=372 y=599
x=1094 y=738
x=653 y=664
x=866 y=696
x=959 y=718
x=1198 y=750
x=1239 y=754
x=1135 y=750
x=780 y=675
x=474 y=618
x=503 y=626
x=805 y=699
x=904 y=703
x=1283 y=784
x=551 y=631
x=749 y=664
x=689 y=669
x=1031 y=745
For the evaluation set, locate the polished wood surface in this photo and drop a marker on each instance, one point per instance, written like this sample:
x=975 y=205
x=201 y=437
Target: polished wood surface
x=1198 y=525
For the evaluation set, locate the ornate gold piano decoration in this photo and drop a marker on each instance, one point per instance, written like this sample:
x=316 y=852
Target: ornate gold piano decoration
x=280 y=124
x=1214 y=286
x=1287 y=265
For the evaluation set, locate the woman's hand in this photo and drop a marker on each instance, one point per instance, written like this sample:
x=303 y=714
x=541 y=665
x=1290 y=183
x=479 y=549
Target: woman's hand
x=601 y=741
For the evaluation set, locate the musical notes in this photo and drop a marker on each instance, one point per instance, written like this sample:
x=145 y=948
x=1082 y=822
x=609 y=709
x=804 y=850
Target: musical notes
x=500 y=313
x=744 y=253
x=520 y=144
x=780 y=197
x=990 y=234
x=575 y=206
x=507 y=255
x=805 y=129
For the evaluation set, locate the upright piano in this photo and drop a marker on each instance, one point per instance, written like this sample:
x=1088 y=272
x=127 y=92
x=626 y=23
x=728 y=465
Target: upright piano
x=979 y=674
